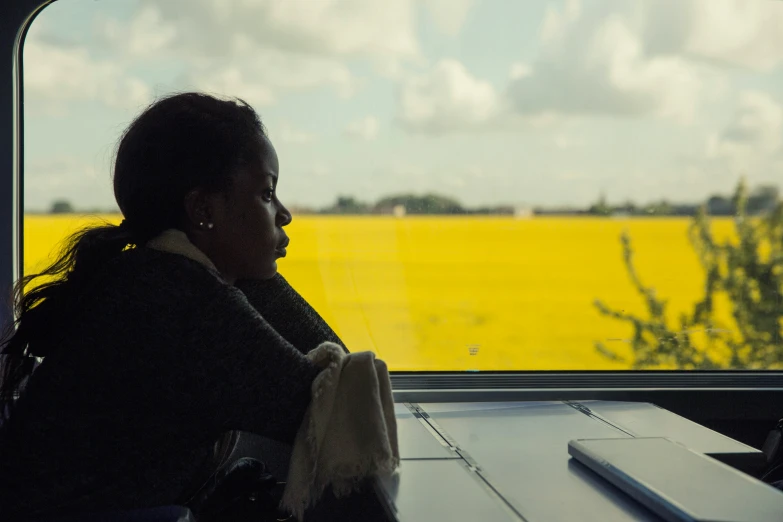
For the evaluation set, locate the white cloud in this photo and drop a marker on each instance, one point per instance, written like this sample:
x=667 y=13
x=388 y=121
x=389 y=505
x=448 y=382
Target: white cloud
x=449 y=15
x=364 y=129
x=375 y=28
x=734 y=32
x=231 y=81
x=594 y=65
x=557 y=22
x=146 y=34
x=262 y=49
x=519 y=70
x=753 y=136
x=590 y=63
x=55 y=75
x=289 y=134
x=262 y=77
x=627 y=61
x=446 y=99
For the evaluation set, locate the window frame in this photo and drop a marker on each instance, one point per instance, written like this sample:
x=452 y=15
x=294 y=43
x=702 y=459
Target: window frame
x=727 y=395
x=14 y=24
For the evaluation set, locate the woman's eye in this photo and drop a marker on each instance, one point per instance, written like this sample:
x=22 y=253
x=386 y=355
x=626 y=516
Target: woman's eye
x=268 y=193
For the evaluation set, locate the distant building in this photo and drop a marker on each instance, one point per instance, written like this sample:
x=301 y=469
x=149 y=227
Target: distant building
x=387 y=210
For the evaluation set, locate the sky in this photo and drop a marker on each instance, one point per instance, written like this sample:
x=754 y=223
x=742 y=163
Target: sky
x=488 y=101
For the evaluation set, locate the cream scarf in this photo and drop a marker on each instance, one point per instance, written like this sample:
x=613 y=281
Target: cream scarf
x=349 y=431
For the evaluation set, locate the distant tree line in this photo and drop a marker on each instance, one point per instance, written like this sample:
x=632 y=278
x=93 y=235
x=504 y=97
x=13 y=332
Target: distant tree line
x=759 y=201
x=407 y=204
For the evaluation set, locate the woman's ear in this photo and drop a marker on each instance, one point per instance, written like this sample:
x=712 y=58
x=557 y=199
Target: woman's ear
x=198 y=209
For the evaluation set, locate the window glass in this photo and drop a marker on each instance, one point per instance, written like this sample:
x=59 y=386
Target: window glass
x=476 y=185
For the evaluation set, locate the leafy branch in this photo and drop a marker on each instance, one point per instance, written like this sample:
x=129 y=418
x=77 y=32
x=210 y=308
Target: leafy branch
x=749 y=272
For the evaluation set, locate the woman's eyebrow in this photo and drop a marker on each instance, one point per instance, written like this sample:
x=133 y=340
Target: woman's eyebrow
x=266 y=176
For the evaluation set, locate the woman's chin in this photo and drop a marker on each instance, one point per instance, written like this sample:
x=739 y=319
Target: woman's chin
x=272 y=271
x=266 y=272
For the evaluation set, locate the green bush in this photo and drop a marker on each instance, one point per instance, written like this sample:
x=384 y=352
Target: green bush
x=749 y=271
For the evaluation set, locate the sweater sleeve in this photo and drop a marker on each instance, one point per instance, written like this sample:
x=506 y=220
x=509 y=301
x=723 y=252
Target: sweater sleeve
x=248 y=376
x=288 y=312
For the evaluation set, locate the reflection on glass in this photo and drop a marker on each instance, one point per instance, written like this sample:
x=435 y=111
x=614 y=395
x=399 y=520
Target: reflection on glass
x=493 y=185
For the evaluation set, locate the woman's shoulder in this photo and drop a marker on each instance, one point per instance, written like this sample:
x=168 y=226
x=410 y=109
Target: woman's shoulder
x=161 y=272
x=147 y=286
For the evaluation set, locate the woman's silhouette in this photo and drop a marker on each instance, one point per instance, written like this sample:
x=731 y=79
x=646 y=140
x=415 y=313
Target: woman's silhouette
x=159 y=335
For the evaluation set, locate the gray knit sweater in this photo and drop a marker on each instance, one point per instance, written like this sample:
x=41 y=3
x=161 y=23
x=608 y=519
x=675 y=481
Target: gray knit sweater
x=155 y=361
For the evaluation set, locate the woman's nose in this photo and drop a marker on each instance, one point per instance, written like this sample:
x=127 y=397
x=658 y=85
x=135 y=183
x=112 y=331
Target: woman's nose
x=284 y=216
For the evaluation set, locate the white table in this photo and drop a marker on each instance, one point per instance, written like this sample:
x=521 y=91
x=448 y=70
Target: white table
x=509 y=461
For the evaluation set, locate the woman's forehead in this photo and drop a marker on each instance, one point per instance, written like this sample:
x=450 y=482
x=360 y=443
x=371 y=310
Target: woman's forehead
x=270 y=164
x=265 y=166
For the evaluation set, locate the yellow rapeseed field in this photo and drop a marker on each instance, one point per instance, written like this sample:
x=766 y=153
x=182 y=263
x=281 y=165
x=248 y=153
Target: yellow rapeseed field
x=456 y=293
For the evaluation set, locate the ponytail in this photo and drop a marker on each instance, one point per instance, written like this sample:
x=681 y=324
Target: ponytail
x=46 y=305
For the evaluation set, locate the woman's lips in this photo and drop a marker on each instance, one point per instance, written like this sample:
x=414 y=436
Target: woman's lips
x=281 y=248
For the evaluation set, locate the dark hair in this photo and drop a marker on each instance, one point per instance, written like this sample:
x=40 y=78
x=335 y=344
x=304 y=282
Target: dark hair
x=178 y=143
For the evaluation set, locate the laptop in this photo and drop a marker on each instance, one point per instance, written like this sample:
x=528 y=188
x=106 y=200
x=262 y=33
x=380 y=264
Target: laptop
x=679 y=484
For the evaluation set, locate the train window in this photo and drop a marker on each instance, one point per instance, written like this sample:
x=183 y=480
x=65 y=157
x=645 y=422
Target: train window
x=494 y=185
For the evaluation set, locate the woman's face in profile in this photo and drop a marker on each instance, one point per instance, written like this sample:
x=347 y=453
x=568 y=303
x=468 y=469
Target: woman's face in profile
x=249 y=221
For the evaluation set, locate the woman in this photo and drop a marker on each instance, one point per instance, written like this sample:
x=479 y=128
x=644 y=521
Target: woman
x=150 y=353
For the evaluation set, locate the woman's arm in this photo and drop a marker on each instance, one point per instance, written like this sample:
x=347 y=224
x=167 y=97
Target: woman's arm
x=244 y=373
x=288 y=312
